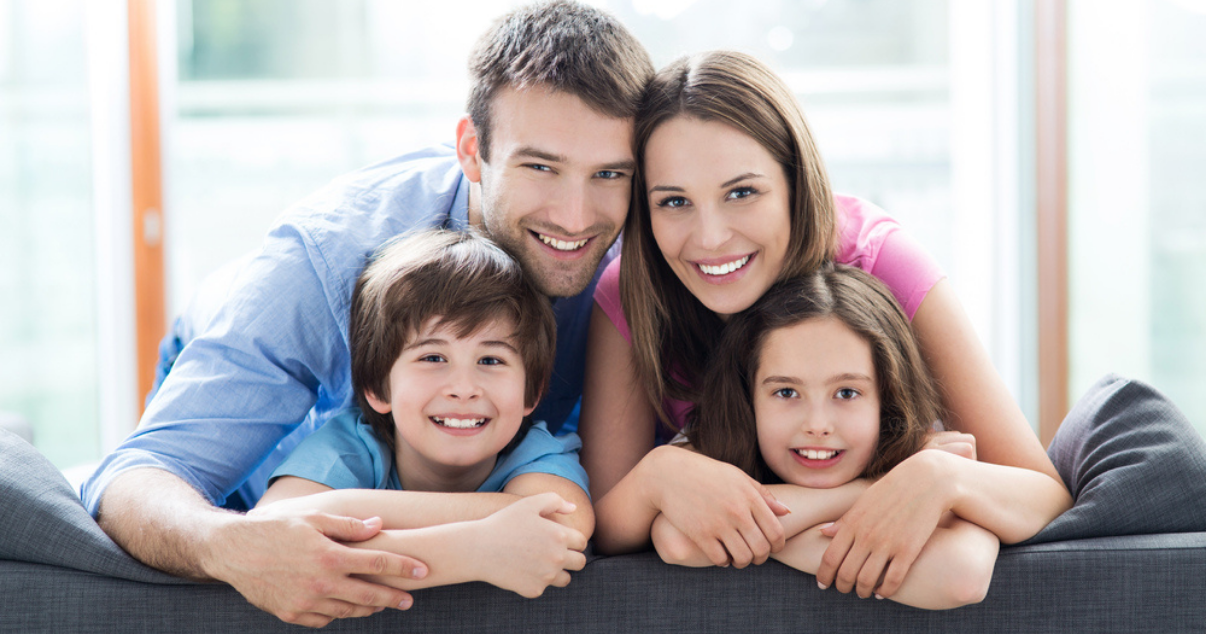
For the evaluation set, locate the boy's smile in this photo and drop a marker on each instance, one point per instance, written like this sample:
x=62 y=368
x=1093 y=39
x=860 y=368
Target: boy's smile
x=456 y=402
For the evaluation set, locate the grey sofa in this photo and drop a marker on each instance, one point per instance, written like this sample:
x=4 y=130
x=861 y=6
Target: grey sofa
x=1129 y=557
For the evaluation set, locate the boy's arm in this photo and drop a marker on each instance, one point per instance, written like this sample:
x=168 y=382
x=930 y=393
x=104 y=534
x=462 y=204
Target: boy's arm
x=953 y=569
x=809 y=508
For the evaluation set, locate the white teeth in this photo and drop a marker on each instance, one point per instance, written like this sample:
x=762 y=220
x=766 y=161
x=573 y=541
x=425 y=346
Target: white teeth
x=724 y=269
x=561 y=245
x=813 y=454
x=459 y=423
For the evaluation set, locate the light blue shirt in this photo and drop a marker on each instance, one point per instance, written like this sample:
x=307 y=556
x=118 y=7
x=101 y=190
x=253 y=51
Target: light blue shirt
x=271 y=363
x=346 y=454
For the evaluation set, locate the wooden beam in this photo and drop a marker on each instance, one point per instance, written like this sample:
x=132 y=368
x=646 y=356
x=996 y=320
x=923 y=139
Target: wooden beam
x=150 y=307
x=1051 y=118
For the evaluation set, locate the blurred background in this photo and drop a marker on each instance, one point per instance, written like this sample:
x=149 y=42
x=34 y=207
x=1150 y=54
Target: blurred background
x=925 y=107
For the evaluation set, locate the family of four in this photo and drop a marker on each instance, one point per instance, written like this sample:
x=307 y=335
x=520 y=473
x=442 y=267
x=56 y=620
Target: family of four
x=375 y=402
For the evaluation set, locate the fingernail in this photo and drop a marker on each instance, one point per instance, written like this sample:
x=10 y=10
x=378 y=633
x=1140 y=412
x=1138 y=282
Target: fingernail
x=418 y=572
x=372 y=522
x=879 y=596
x=405 y=604
x=822 y=586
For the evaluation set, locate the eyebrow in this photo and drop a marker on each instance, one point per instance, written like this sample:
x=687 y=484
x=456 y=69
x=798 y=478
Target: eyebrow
x=532 y=152
x=434 y=341
x=839 y=378
x=728 y=183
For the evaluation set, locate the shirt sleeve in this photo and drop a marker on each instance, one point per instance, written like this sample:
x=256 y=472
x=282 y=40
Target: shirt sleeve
x=342 y=454
x=876 y=243
x=247 y=380
x=540 y=452
x=607 y=296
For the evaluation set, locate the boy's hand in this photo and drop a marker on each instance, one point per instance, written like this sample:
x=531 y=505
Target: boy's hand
x=524 y=551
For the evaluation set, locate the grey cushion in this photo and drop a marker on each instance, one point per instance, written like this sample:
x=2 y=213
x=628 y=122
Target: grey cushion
x=1133 y=463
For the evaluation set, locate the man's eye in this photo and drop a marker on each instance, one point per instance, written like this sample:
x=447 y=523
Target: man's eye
x=672 y=202
x=540 y=168
x=785 y=392
x=609 y=174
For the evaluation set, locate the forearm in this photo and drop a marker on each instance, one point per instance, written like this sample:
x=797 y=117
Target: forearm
x=953 y=569
x=810 y=507
x=400 y=510
x=442 y=548
x=168 y=530
x=624 y=516
x=1013 y=503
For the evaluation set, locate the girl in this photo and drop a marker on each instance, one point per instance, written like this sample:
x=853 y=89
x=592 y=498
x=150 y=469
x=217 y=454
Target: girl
x=817 y=386
x=730 y=198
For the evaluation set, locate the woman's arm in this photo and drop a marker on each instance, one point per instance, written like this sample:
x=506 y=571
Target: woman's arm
x=954 y=568
x=1014 y=497
x=813 y=507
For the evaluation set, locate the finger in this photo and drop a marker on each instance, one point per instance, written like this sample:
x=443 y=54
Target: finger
x=575 y=561
x=576 y=540
x=337 y=609
x=346 y=529
x=835 y=555
x=739 y=551
x=830 y=529
x=847 y=575
x=355 y=561
x=306 y=619
x=715 y=551
x=368 y=595
x=758 y=544
x=778 y=508
x=548 y=503
x=561 y=580
x=893 y=578
x=767 y=520
x=870 y=574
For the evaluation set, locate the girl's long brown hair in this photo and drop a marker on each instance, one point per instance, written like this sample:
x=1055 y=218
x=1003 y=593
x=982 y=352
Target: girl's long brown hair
x=672 y=332
x=722 y=426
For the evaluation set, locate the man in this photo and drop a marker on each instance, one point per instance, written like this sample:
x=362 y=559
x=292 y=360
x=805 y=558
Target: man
x=542 y=164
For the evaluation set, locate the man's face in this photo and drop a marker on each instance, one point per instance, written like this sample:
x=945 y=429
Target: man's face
x=555 y=190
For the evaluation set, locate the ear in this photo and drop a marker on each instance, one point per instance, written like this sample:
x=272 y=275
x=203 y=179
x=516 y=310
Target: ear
x=528 y=410
x=378 y=405
x=468 y=149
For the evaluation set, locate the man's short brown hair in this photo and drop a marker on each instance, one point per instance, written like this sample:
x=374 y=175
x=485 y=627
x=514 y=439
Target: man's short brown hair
x=563 y=46
x=461 y=280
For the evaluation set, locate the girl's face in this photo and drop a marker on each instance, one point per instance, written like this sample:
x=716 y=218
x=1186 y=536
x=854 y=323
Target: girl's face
x=816 y=403
x=719 y=208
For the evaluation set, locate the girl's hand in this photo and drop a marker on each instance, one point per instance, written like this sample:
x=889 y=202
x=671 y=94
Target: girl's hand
x=727 y=514
x=877 y=541
x=955 y=442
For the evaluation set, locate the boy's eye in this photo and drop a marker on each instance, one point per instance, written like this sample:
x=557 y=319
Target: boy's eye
x=847 y=393
x=741 y=192
x=672 y=202
x=785 y=392
x=490 y=361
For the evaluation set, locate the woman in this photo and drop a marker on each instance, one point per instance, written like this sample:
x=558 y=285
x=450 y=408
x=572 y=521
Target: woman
x=732 y=196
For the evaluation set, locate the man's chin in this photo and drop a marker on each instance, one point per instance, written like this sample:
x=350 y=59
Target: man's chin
x=559 y=279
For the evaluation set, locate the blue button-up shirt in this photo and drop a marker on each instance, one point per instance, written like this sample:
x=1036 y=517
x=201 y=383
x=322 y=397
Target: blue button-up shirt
x=270 y=362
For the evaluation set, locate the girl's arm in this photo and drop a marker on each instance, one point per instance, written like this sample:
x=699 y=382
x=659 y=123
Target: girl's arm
x=420 y=509
x=953 y=569
x=722 y=510
x=812 y=507
x=1014 y=497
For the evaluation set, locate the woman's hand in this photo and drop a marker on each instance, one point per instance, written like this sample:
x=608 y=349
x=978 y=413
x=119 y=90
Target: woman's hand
x=877 y=541
x=726 y=513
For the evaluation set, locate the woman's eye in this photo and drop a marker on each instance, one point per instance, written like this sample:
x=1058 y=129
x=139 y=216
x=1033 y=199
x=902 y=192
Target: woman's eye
x=742 y=192
x=672 y=202
x=847 y=393
x=785 y=392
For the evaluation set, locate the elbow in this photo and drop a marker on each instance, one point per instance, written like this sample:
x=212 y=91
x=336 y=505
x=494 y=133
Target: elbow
x=968 y=583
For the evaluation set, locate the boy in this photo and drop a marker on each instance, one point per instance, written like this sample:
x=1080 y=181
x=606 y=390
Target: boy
x=451 y=350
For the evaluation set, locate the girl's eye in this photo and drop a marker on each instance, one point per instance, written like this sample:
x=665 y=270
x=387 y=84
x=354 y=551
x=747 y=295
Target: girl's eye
x=490 y=361
x=847 y=393
x=431 y=358
x=672 y=202
x=785 y=392
x=742 y=192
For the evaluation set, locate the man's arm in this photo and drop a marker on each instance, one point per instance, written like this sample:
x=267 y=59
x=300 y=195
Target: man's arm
x=288 y=564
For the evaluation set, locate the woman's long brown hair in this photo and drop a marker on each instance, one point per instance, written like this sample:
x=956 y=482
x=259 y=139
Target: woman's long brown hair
x=672 y=332
x=722 y=426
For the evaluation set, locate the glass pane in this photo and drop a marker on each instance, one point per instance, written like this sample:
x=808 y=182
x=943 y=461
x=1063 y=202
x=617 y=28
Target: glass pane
x=1138 y=203
x=48 y=318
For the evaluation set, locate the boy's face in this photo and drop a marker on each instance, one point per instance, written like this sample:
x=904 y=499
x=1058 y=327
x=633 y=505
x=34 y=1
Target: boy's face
x=554 y=191
x=456 y=402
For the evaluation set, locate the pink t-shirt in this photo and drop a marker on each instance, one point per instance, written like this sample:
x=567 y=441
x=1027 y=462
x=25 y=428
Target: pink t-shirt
x=868 y=238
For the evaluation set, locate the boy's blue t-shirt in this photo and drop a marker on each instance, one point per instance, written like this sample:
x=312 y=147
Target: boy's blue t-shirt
x=345 y=453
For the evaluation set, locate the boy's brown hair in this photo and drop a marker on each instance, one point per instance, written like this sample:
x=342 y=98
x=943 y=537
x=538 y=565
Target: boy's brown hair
x=722 y=426
x=563 y=46
x=461 y=280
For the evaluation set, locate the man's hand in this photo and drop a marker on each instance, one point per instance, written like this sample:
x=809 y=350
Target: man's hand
x=525 y=551
x=290 y=564
x=728 y=514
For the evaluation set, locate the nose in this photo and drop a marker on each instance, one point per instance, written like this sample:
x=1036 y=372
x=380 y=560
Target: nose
x=461 y=385
x=572 y=212
x=816 y=423
x=712 y=228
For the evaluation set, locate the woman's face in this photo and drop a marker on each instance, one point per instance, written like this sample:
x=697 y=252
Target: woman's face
x=719 y=208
